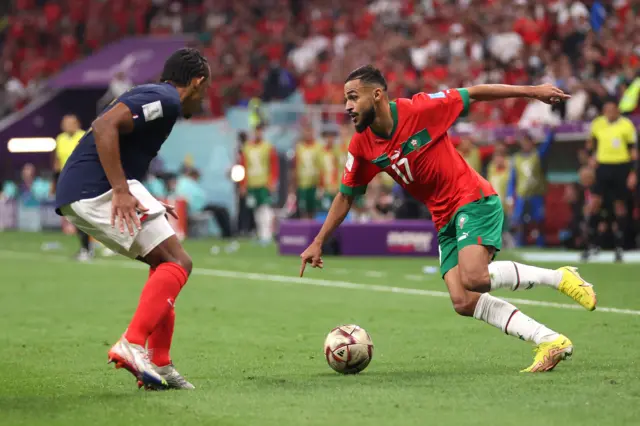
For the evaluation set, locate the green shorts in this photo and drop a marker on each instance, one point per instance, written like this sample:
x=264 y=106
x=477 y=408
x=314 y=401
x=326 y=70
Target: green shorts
x=307 y=201
x=257 y=197
x=505 y=223
x=479 y=223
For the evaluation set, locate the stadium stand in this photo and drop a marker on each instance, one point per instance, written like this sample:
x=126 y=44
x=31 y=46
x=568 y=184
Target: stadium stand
x=269 y=48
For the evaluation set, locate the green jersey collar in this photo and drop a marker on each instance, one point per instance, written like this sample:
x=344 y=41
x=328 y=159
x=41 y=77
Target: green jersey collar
x=394 y=116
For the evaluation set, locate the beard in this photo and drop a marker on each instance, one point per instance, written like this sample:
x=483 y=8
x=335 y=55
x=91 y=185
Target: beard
x=191 y=107
x=367 y=118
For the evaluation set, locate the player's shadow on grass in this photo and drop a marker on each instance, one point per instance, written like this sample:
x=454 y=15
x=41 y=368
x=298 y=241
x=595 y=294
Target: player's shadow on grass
x=377 y=375
x=329 y=377
x=59 y=402
x=421 y=373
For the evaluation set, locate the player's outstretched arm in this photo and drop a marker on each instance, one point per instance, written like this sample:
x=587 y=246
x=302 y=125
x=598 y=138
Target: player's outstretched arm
x=546 y=93
x=339 y=209
x=107 y=129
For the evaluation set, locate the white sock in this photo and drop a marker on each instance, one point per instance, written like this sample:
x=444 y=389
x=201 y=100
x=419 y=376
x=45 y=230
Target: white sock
x=264 y=219
x=508 y=318
x=516 y=276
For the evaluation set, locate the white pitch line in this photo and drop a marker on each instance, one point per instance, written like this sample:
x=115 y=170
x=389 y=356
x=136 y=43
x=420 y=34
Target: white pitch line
x=383 y=288
x=316 y=282
x=375 y=274
x=414 y=277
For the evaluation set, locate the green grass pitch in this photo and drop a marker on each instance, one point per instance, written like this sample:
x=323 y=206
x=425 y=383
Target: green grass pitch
x=249 y=335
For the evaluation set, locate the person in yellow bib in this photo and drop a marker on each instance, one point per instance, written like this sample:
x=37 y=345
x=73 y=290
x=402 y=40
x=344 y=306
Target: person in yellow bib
x=331 y=169
x=307 y=164
x=66 y=142
x=470 y=153
x=613 y=145
x=261 y=163
x=342 y=151
x=527 y=186
x=498 y=174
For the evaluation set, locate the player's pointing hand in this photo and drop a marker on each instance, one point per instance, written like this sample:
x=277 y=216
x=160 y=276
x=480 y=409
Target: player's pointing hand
x=549 y=94
x=312 y=255
x=126 y=207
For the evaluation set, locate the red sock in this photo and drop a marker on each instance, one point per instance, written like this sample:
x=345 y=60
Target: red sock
x=157 y=298
x=159 y=343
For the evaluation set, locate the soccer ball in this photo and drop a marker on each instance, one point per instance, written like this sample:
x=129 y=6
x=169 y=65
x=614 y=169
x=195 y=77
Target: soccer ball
x=348 y=349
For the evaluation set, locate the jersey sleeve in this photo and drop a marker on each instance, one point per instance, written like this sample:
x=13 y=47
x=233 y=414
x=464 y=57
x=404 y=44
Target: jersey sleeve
x=150 y=106
x=358 y=172
x=442 y=109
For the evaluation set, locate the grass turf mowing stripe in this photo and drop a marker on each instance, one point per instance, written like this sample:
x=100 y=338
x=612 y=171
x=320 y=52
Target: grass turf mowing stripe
x=252 y=276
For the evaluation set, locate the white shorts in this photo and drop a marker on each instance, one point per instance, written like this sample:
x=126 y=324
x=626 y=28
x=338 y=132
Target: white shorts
x=93 y=216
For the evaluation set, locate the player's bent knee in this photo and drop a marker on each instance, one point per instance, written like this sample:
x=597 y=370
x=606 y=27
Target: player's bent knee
x=464 y=306
x=184 y=260
x=479 y=281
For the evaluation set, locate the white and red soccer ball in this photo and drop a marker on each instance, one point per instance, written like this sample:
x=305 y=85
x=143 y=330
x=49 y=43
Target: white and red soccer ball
x=348 y=349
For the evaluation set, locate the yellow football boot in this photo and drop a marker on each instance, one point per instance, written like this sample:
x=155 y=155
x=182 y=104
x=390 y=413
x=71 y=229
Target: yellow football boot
x=574 y=286
x=548 y=355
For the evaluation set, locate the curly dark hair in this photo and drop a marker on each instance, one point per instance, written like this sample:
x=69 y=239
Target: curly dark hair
x=183 y=66
x=368 y=74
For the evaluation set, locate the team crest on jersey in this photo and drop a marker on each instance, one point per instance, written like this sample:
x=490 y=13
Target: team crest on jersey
x=462 y=220
x=414 y=143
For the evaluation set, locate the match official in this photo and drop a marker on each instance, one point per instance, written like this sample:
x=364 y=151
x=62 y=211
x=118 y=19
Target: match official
x=613 y=146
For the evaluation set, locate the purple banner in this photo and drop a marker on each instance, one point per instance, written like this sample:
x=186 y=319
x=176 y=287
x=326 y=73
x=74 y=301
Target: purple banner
x=392 y=238
x=140 y=58
x=295 y=235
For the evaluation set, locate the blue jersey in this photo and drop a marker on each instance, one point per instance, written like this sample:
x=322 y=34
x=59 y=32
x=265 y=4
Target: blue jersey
x=155 y=109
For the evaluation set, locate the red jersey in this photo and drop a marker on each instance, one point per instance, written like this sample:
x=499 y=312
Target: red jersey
x=419 y=155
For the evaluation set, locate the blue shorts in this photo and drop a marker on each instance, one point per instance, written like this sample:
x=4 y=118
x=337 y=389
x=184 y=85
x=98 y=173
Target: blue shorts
x=532 y=206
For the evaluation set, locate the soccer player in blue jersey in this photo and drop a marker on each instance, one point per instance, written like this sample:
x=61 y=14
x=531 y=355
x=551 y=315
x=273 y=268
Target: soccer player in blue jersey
x=99 y=191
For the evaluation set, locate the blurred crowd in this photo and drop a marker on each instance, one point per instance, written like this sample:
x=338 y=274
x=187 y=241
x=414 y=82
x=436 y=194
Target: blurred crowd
x=302 y=183
x=39 y=37
x=270 y=48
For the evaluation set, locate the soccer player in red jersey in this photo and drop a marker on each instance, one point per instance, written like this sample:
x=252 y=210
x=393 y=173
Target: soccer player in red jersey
x=407 y=139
